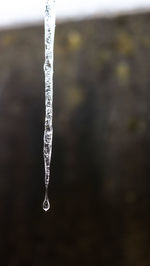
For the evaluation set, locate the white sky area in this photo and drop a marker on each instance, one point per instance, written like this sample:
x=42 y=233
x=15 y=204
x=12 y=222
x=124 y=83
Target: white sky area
x=14 y=12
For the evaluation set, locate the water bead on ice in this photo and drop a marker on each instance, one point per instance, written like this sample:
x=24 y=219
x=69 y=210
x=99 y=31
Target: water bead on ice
x=46 y=203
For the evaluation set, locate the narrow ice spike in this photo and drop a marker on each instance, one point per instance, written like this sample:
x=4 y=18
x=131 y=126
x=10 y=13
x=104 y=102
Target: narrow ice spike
x=49 y=24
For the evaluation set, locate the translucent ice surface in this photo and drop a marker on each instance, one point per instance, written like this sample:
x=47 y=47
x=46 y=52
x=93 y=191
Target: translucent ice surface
x=48 y=69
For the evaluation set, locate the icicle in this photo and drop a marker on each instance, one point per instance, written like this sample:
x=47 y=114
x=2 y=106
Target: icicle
x=48 y=69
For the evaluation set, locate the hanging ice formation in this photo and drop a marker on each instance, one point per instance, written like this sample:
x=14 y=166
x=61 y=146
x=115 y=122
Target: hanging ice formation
x=48 y=69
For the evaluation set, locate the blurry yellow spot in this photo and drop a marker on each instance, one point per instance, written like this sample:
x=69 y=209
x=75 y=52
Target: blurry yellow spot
x=74 y=39
x=74 y=97
x=125 y=44
x=123 y=71
x=8 y=39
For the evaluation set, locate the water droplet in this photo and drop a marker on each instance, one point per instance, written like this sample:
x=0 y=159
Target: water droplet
x=46 y=204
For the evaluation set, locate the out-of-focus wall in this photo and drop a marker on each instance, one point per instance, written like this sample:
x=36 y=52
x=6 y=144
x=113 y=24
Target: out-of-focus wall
x=100 y=167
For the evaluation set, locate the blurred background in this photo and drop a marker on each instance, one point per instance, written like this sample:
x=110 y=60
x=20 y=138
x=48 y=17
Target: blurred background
x=100 y=175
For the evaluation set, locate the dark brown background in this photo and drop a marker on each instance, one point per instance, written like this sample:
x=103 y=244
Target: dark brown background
x=101 y=151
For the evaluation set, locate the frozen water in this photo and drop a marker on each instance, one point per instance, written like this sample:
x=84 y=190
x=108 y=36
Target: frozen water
x=46 y=203
x=48 y=69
